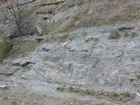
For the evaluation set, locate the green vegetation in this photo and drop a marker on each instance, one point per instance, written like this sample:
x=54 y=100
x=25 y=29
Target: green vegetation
x=132 y=59
x=125 y=95
x=114 y=95
x=61 y=89
x=91 y=39
x=114 y=35
x=64 y=37
x=71 y=89
x=126 y=34
x=133 y=34
x=39 y=40
x=1 y=32
x=131 y=80
x=138 y=76
x=60 y=38
x=5 y=47
x=76 y=90
x=88 y=92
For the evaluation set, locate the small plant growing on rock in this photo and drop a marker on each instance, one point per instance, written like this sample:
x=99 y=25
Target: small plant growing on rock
x=114 y=95
x=132 y=59
x=126 y=34
x=71 y=89
x=91 y=39
x=65 y=37
x=5 y=47
x=131 y=80
x=133 y=34
x=114 y=35
x=88 y=92
x=126 y=95
x=61 y=89
x=138 y=76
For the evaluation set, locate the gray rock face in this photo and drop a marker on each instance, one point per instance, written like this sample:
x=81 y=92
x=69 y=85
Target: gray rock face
x=4 y=70
x=22 y=62
x=107 y=63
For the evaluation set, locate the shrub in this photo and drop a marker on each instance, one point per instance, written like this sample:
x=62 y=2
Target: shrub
x=138 y=76
x=133 y=34
x=114 y=35
x=61 y=89
x=88 y=92
x=131 y=80
x=91 y=39
x=5 y=47
x=127 y=94
x=114 y=95
x=126 y=34
x=71 y=89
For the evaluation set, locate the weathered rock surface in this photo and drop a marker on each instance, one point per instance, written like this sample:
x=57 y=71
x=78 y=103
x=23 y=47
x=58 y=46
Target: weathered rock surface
x=107 y=63
x=7 y=70
x=22 y=62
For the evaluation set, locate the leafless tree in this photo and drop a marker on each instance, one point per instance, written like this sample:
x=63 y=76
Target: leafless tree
x=19 y=15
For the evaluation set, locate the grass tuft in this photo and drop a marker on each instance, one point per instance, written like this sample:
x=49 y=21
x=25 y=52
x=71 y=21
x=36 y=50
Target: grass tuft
x=61 y=89
x=131 y=80
x=5 y=47
x=138 y=76
x=114 y=35
x=91 y=39
x=126 y=34
x=133 y=34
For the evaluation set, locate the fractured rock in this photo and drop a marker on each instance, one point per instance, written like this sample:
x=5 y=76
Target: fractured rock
x=7 y=70
x=113 y=77
x=22 y=62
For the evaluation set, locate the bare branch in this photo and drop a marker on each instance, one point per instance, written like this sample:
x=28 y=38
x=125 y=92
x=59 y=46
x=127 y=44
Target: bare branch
x=18 y=15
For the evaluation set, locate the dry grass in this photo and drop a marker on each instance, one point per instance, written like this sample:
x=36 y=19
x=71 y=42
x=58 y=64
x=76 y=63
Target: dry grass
x=114 y=35
x=91 y=39
x=23 y=48
x=105 y=12
x=5 y=47
x=61 y=38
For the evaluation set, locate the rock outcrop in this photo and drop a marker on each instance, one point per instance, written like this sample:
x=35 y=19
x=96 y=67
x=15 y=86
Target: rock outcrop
x=106 y=62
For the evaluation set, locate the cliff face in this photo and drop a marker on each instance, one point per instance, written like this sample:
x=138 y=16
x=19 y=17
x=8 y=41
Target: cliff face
x=89 y=57
x=77 y=46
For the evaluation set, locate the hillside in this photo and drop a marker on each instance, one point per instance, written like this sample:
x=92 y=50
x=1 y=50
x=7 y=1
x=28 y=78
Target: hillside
x=70 y=52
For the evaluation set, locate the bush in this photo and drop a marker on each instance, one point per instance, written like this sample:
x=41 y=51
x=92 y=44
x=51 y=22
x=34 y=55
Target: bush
x=114 y=35
x=61 y=89
x=91 y=39
x=88 y=92
x=114 y=95
x=126 y=34
x=138 y=76
x=133 y=34
x=131 y=80
x=71 y=89
x=127 y=94
x=5 y=47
